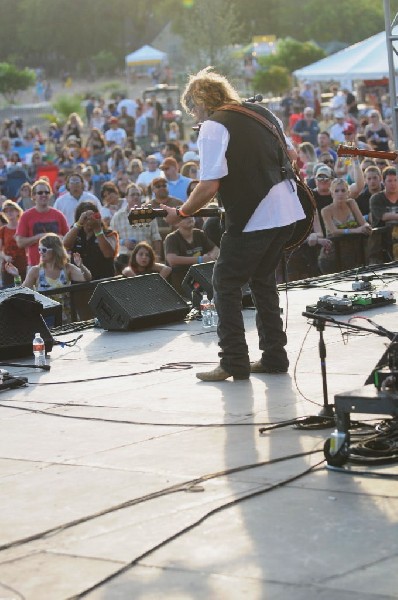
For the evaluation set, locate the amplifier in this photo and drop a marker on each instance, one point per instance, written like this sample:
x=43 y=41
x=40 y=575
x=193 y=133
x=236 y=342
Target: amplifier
x=52 y=310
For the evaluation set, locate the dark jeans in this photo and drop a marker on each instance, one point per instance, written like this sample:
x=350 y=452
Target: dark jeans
x=250 y=258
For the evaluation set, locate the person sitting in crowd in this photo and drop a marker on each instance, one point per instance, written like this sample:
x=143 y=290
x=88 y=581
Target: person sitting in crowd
x=373 y=185
x=135 y=169
x=54 y=271
x=177 y=183
x=73 y=127
x=152 y=170
x=143 y=262
x=24 y=199
x=97 y=245
x=161 y=196
x=307 y=128
x=117 y=161
x=377 y=133
x=130 y=235
x=9 y=250
x=384 y=212
x=96 y=147
x=111 y=201
x=341 y=217
x=185 y=247
x=37 y=221
x=74 y=196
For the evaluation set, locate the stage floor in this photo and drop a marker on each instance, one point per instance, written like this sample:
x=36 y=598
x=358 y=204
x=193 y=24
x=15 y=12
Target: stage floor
x=125 y=477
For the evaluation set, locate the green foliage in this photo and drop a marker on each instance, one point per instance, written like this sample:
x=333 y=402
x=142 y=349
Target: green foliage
x=104 y=62
x=274 y=80
x=293 y=55
x=13 y=80
x=209 y=28
x=65 y=105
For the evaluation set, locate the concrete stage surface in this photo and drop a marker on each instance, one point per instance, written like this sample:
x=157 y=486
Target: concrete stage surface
x=125 y=477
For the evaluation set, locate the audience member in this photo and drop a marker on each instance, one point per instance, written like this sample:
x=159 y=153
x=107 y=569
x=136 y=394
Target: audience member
x=377 y=133
x=143 y=262
x=97 y=245
x=177 y=183
x=74 y=196
x=130 y=235
x=185 y=247
x=37 y=221
x=9 y=250
x=307 y=128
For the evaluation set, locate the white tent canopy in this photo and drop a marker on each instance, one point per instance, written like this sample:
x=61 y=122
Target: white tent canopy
x=365 y=60
x=145 y=56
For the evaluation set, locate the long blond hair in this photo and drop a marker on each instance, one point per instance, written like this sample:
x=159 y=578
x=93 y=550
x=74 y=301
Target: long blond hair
x=209 y=89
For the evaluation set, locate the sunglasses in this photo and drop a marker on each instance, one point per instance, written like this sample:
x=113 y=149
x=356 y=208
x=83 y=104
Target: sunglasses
x=322 y=177
x=42 y=192
x=43 y=249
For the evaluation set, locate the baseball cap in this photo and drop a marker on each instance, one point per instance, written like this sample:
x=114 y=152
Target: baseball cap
x=349 y=128
x=324 y=170
x=169 y=162
x=190 y=155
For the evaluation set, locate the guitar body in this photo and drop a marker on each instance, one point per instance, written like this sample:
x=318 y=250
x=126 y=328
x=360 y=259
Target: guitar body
x=303 y=228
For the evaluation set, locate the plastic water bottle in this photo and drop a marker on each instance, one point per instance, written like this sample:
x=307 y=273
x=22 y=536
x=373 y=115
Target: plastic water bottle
x=17 y=281
x=205 y=309
x=39 y=350
x=214 y=315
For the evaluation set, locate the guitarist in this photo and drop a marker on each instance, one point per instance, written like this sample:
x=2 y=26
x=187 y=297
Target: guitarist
x=245 y=163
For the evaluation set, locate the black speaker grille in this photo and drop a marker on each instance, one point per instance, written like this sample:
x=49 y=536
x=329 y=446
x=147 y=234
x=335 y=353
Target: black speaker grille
x=137 y=302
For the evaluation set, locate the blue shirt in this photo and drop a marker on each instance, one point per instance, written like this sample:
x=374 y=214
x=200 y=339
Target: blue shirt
x=178 y=188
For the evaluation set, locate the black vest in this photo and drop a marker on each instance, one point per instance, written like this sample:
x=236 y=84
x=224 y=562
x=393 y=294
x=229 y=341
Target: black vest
x=255 y=160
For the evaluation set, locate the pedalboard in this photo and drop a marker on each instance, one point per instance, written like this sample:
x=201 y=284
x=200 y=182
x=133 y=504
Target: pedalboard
x=348 y=304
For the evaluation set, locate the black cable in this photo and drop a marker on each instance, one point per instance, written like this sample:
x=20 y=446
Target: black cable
x=178 y=534
x=179 y=487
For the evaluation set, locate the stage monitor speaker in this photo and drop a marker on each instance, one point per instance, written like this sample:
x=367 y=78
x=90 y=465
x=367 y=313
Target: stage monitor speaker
x=199 y=279
x=136 y=303
x=20 y=319
x=52 y=310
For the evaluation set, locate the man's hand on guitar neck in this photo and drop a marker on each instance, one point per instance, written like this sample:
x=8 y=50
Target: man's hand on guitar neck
x=200 y=196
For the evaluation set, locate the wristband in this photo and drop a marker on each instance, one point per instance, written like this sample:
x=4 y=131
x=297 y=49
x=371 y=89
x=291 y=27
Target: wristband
x=181 y=213
x=98 y=233
x=200 y=260
x=346 y=231
x=77 y=226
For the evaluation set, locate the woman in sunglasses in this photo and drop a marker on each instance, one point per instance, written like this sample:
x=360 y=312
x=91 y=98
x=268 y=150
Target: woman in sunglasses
x=54 y=270
x=341 y=218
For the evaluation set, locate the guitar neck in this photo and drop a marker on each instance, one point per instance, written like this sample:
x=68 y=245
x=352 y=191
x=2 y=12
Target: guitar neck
x=142 y=215
x=349 y=151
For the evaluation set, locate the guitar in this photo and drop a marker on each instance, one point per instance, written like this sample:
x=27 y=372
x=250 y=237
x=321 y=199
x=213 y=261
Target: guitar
x=343 y=150
x=144 y=215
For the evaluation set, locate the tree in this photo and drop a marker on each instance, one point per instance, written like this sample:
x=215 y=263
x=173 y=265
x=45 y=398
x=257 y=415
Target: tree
x=275 y=80
x=13 y=80
x=293 y=55
x=209 y=29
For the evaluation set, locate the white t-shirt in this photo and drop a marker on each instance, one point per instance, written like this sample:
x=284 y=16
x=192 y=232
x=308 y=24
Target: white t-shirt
x=67 y=204
x=118 y=136
x=280 y=207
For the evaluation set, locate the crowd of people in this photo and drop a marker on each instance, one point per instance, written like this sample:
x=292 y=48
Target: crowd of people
x=67 y=192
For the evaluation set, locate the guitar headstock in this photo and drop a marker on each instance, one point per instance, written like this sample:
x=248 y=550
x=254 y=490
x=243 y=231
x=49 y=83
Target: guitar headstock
x=344 y=150
x=143 y=215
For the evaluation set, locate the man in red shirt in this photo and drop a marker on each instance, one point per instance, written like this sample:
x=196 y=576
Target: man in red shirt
x=39 y=220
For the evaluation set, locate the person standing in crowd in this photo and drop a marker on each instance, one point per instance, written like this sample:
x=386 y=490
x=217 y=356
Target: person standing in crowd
x=261 y=206
x=37 y=221
x=150 y=173
x=9 y=251
x=115 y=134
